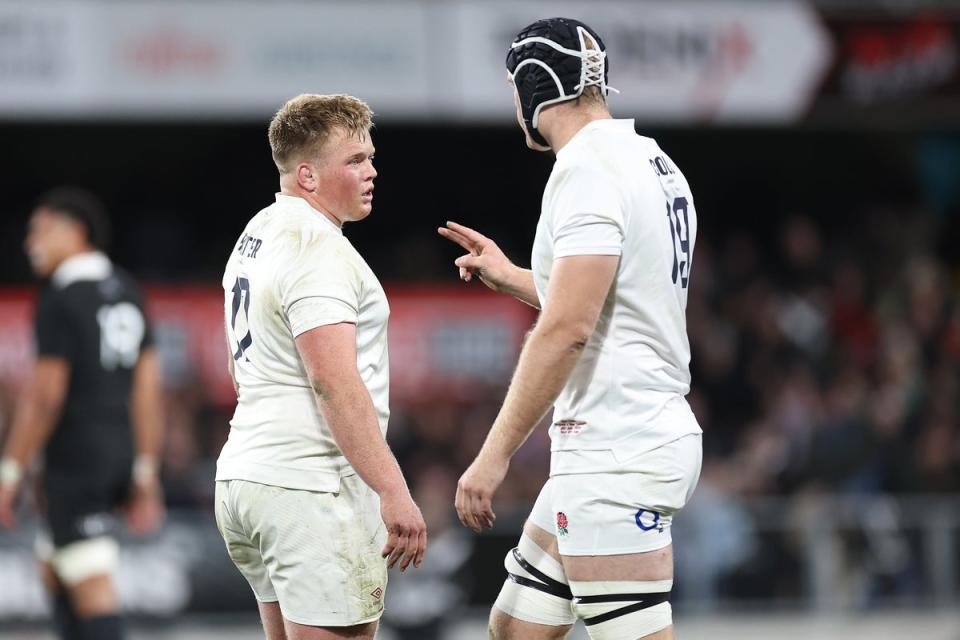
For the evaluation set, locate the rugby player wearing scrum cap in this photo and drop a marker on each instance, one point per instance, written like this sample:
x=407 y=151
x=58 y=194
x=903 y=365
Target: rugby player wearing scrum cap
x=609 y=353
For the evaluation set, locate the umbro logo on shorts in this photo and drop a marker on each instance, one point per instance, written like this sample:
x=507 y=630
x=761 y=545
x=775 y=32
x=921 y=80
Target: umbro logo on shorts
x=377 y=593
x=569 y=427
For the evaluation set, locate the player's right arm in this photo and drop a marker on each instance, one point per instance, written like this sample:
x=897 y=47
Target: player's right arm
x=41 y=402
x=145 y=509
x=36 y=417
x=485 y=260
x=329 y=357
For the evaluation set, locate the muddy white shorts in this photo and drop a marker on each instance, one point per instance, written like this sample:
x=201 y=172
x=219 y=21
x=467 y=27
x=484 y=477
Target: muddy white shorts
x=317 y=554
x=601 y=514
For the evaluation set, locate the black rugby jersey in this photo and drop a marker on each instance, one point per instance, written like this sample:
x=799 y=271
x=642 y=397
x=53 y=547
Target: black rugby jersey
x=91 y=314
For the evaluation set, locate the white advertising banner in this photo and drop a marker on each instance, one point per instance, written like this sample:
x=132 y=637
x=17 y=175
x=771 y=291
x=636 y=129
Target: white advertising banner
x=158 y=58
x=691 y=61
x=687 y=61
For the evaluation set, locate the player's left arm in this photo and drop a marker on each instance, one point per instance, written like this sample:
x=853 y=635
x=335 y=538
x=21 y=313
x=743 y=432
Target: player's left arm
x=578 y=287
x=36 y=416
x=232 y=368
x=145 y=510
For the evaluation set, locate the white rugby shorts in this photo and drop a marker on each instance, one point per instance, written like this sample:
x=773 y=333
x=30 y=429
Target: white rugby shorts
x=316 y=553
x=603 y=514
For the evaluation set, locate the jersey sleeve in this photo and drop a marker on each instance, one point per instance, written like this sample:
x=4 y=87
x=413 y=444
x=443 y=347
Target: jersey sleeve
x=55 y=331
x=321 y=287
x=587 y=215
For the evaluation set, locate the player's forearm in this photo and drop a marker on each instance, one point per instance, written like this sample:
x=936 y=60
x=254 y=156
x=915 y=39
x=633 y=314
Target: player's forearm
x=38 y=410
x=32 y=426
x=350 y=414
x=520 y=286
x=231 y=367
x=147 y=412
x=547 y=359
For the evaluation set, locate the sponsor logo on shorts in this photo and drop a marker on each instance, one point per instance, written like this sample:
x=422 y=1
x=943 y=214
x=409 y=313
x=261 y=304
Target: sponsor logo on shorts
x=648 y=520
x=569 y=427
x=377 y=593
x=94 y=525
x=562 y=523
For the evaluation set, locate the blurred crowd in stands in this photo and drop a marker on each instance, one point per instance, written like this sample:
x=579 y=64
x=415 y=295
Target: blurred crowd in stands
x=825 y=361
x=820 y=361
x=831 y=363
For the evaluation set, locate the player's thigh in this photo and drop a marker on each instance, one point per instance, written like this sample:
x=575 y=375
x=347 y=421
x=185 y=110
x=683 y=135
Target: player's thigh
x=321 y=551
x=90 y=597
x=543 y=538
x=297 y=631
x=94 y=596
x=234 y=528
x=614 y=537
x=76 y=549
x=272 y=620
x=652 y=565
x=630 y=512
x=534 y=601
x=83 y=570
x=503 y=626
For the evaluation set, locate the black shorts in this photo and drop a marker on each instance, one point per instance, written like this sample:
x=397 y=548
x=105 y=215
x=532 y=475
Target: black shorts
x=81 y=505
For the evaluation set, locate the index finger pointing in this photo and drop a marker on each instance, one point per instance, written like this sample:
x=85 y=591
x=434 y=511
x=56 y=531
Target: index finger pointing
x=467 y=232
x=458 y=238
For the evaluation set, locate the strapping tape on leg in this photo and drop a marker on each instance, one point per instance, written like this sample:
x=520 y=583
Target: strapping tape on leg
x=531 y=566
x=536 y=589
x=84 y=559
x=622 y=610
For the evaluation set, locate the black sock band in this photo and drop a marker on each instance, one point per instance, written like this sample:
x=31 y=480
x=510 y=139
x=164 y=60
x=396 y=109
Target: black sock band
x=102 y=628
x=64 y=619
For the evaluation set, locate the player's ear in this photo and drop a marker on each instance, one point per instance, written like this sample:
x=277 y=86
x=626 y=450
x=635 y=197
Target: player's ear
x=306 y=176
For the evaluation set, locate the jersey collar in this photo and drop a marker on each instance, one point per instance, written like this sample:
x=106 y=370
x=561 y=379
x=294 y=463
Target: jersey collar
x=298 y=203
x=608 y=124
x=93 y=265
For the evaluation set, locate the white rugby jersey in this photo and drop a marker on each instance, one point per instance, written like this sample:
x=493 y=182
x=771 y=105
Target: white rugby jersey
x=293 y=270
x=613 y=192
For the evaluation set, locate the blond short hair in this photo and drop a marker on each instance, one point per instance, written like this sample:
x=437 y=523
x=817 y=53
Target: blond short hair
x=302 y=126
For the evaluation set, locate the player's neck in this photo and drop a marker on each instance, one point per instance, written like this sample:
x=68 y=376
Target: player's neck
x=65 y=257
x=297 y=191
x=560 y=123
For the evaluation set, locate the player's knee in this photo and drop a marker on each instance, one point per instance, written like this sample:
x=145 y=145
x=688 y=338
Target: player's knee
x=94 y=597
x=536 y=588
x=620 y=610
x=499 y=625
x=503 y=626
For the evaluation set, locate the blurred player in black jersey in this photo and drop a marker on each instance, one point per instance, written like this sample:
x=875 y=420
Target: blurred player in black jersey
x=96 y=374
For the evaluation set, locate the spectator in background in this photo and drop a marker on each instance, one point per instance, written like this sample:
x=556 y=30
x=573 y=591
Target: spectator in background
x=96 y=374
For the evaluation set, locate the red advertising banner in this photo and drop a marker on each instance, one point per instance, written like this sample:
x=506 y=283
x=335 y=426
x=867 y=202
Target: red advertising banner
x=443 y=339
x=893 y=64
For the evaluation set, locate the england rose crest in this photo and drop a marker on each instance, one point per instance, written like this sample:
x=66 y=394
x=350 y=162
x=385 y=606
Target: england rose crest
x=562 y=523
